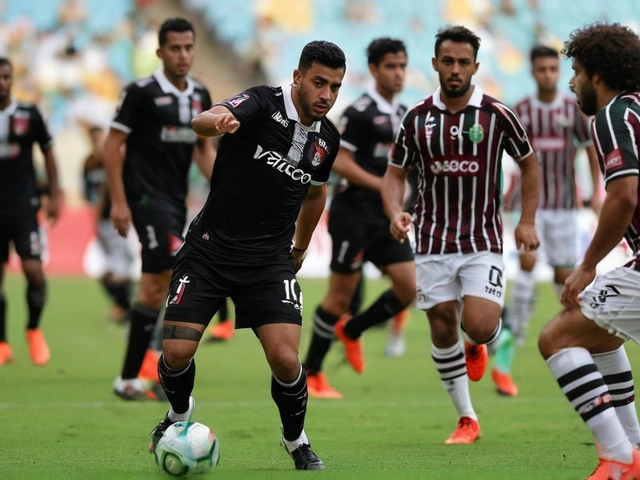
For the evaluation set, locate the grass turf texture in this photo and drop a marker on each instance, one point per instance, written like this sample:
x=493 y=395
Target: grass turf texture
x=63 y=421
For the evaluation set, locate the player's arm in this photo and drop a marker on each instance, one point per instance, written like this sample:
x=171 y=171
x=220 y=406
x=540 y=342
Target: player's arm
x=594 y=168
x=55 y=193
x=114 y=155
x=204 y=155
x=393 y=185
x=215 y=121
x=526 y=235
x=347 y=167
x=308 y=218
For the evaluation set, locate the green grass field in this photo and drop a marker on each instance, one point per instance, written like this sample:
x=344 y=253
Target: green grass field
x=63 y=421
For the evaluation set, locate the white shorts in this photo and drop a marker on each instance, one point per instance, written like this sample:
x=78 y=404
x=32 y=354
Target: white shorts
x=117 y=250
x=613 y=303
x=452 y=276
x=558 y=236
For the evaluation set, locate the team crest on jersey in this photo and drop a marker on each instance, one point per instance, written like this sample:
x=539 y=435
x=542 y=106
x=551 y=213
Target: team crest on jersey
x=476 y=133
x=237 y=100
x=21 y=123
x=318 y=151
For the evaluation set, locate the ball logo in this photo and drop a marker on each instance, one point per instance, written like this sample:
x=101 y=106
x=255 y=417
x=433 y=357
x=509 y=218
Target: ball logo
x=455 y=167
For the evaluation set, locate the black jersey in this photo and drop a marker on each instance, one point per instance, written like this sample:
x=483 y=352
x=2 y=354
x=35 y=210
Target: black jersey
x=367 y=129
x=261 y=177
x=21 y=125
x=157 y=116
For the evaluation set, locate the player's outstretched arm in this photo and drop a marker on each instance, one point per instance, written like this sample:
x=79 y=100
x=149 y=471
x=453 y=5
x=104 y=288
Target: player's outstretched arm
x=393 y=184
x=114 y=151
x=526 y=235
x=215 y=121
x=308 y=218
x=55 y=193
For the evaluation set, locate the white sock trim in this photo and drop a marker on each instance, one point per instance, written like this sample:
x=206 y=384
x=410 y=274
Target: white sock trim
x=292 y=445
x=288 y=385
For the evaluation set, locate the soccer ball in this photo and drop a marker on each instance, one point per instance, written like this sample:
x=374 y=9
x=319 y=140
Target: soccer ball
x=187 y=447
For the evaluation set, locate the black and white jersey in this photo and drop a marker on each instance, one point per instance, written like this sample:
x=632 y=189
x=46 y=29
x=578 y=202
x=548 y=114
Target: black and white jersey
x=367 y=129
x=157 y=116
x=261 y=177
x=21 y=125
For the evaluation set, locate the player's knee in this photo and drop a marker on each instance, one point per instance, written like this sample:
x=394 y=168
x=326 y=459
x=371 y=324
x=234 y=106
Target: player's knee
x=152 y=294
x=337 y=303
x=178 y=353
x=285 y=365
x=34 y=274
x=482 y=329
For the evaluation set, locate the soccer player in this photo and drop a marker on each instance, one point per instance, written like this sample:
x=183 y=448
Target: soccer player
x=358 y=227
x=148 y=152
x=555 y=127
x=21 y=125
x=268 y=188
x=455 y=139
x=583 y=344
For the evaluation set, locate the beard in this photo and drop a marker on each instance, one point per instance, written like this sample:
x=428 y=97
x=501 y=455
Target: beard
x=305 y=104
x=588 y=99
x=459 y=92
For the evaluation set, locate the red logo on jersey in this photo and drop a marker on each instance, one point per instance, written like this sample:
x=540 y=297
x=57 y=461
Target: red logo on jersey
x=237 y=100
x=20 y=125
x=175 y=242
x=318 y=151
x=613 y=160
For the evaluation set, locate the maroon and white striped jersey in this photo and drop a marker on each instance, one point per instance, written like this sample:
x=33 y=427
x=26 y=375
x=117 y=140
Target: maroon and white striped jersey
x=459 y=158
x=555 y=129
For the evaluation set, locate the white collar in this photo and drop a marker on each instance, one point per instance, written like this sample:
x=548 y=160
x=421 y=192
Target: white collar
x=556 y=102
x=292 y=113
x=10 y=110
x=168 y=87
x=475 y=100
x=383 y=105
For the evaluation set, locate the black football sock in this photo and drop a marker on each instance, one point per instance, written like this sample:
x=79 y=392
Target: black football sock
x=223 y=313
x=177 y=384
x=122 y=294
x=3 y=318
x=321 y=339
x=385 y=307
x=143 y=321
x=36 y=298
x=108 y=288
x=291 y=400
x=356 y=300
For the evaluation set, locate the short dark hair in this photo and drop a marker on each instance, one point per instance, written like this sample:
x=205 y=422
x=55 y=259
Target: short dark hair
x=6 y=61
x=458 y=34
x=176 y=24
x=379 y=47
x=325 y=53
x=540 y=51
x=611 y=50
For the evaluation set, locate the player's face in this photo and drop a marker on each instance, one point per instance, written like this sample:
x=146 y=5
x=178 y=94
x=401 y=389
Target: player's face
x=546 y=71
x=583 y=87
x=456 y=65
x=6 y=80
x=390 y=72
x=178 y=52
x=315 y=91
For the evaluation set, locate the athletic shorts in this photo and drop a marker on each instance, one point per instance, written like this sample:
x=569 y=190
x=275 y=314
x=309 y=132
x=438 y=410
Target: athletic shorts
x=558 y=232
x=25 y=235
x=262 y=294
x=613 y=302
x=452 y=276
x=356 y=240
x=160 y=230
x=117 y=250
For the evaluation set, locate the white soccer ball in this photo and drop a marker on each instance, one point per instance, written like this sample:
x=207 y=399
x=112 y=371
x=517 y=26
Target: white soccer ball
x=187 y=447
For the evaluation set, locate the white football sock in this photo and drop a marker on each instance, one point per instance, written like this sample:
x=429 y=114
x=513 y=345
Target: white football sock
x=451 y=365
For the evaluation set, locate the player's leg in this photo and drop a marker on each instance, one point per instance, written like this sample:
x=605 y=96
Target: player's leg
x=117 y=281
x=560 y=240
x=523 y=294
x=6 y=354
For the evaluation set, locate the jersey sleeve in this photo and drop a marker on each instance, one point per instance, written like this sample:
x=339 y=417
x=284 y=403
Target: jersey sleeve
x=246 y=106
x=352 y=129
x=517 y=142
x=129 y=109
x=581 y=131
x=613 y=136
x=405 y=152
x=324 y=172
x=41 y=132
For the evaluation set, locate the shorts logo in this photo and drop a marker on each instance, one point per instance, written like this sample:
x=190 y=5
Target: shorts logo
x=21 y=123
x=290 y=295
x=237 y=100
x=177 y=298
x=609 y=291
x=175 y=243
x=495 y=280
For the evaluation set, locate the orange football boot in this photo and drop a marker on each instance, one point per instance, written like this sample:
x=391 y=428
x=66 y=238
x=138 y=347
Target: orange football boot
x=319 y=387
x=468 y=431
x=353 y=348
x=6 y=354
x=149 y=368
x=223 y=330
x=477 y=359
x=613 y=470
x=38 y=348
x=504 y=383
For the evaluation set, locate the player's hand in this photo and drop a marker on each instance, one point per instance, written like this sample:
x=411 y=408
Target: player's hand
x=575 y=284
x=54 y=206
x=225 y=123
x=121 y=217
x=526 y=237
x=298 y=256
x=401 y=226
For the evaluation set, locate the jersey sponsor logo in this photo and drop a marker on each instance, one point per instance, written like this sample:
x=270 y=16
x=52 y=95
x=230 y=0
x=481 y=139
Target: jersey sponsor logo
x=172 y=134
x=318 y=151
x=278 y=162
x=549 y=144
x=613 y=160
x=380 y=119
x=455 y=167
x=9 y=151
x=277 y=116
x=237 y=100
x=163 y=101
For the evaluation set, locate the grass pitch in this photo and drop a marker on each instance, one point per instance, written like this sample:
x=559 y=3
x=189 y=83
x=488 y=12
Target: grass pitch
x=63 y=421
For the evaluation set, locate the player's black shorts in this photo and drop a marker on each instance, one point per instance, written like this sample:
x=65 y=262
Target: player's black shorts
x=262 y=294
x=357 y=238
x=25 y=235
x=159 y=227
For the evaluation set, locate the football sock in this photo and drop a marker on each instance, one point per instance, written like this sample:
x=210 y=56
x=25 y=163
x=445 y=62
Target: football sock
x=385 y=307
x=291 y=400
x=143 y=321
x=586 y=390
x=321 y=339
x=505 y=349
x=522 y=295
x=292 y=445
x=122 y=294
x=36 y=298
x=108 y=287
x=3 y=318
x=356 y=299
x=616 y=371
x=177 y=384
x=223 y=312
x=450 y=363
x=557 y=288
